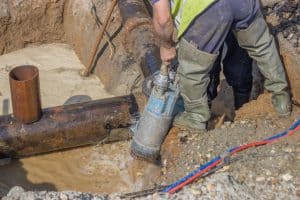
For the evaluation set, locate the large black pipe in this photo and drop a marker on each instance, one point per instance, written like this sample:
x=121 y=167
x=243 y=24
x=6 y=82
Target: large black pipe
x=140 y=36
x=65 y=126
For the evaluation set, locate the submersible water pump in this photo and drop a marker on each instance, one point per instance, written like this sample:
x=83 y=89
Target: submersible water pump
x=157 y=116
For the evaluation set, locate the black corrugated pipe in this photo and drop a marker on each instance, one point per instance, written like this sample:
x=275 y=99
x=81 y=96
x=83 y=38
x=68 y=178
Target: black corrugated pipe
x=139 y=36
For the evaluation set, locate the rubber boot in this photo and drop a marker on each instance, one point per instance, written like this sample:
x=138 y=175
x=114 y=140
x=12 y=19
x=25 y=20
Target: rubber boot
x=282 y=103
x=214 y=75
x=261 y=46
x=193 y=72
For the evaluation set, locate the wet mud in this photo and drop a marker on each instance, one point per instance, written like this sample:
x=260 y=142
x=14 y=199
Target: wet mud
x=107 y=168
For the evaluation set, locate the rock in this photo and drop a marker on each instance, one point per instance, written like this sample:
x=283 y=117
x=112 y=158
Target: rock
x=268 y=172
x=288 y=150
x=195 y=191
x=225 y=168
x=63 y=196
x=260 y=179
x=15 y=193
x=211 y=187
x=287 y=177
x=272 y=151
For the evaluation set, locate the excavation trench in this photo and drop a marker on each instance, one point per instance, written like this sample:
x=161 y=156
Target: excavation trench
x=102 y=168
x=120 y=64
x=105 y=167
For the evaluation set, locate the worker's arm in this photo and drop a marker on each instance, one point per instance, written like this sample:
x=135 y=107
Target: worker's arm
x=164 y=28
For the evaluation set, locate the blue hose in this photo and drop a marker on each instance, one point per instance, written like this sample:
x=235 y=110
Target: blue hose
x=202 y=167
x=191 y=174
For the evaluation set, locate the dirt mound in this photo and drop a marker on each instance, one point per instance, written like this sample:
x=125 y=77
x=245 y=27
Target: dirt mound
x=262 y=106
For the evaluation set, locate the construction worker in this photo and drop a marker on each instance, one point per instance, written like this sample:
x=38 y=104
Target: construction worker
x=202 y=27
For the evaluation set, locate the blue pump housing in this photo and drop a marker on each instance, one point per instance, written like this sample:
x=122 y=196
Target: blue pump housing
x=155 y=122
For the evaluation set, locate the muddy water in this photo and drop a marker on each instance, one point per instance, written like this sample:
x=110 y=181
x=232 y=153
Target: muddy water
x=104 y=168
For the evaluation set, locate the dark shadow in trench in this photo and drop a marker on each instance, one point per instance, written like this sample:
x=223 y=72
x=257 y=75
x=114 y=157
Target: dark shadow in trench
x=223 y=103
x=13 y=174
x=77 y=99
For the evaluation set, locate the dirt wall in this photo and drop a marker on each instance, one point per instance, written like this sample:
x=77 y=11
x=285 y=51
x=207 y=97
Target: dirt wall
x=116 y=67
x=23 y=22
x=284 y=21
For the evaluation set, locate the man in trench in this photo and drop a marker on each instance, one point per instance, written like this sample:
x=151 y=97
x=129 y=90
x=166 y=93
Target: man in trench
x=202 y=26
x=237 y=68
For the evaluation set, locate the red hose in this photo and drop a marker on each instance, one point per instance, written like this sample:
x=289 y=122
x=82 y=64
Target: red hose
x=195 y=177
x=241 y=148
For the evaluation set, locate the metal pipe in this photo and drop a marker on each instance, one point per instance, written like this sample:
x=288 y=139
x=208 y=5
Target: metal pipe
x=65 y=127
x=88 y=70
x=25 y=93
x=139 y=35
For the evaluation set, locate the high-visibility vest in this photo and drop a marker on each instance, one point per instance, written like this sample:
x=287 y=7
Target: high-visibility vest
x=185 y=11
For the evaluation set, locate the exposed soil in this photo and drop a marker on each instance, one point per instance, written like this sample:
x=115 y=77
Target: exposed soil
x=262 y=167
x=284 y=18
x=24 y=22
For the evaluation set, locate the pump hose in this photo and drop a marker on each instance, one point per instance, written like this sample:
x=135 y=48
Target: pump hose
x=222 y=158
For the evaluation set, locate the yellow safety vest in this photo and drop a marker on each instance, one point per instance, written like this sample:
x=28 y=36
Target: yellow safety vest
x=185 y=11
